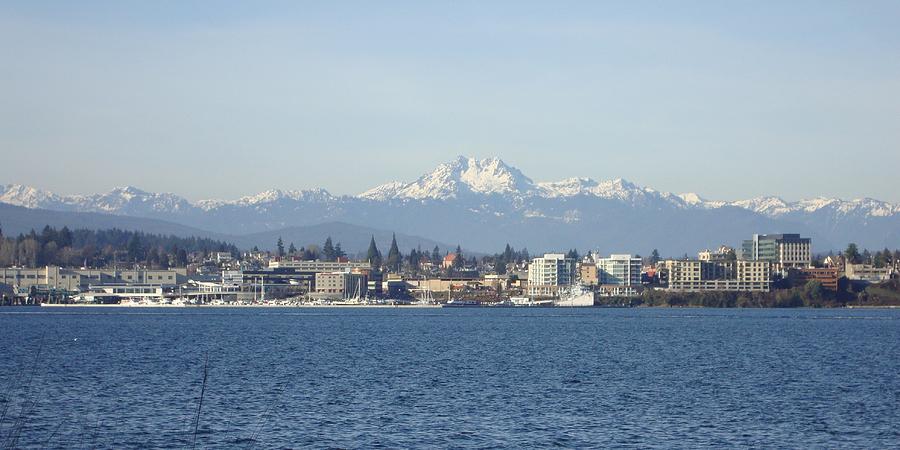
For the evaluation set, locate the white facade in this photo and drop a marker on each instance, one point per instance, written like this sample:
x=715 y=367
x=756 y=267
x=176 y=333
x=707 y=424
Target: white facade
x=547 y=274
x=620 y=270
x=868 y=272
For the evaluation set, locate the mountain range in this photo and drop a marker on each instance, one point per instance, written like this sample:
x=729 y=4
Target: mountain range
x=483 y=204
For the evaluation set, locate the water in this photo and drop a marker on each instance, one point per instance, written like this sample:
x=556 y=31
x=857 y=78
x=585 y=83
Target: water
x=122 y=378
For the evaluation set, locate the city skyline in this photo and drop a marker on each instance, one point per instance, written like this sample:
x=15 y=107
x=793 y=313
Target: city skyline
x=350 y=96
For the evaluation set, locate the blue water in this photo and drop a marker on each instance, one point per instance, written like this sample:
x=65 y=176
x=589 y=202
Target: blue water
x=123 y=378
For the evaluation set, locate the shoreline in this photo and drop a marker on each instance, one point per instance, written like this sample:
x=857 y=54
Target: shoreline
x=73 y=305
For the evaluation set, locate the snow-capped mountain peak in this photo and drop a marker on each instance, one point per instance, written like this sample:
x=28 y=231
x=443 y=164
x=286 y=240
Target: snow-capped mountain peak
x=385 y=191
x=274 y=195
x=767 y=205
x=460 y=177
x=27 y=196
x=692 y=198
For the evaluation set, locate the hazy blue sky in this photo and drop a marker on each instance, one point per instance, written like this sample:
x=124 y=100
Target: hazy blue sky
x=210 y=99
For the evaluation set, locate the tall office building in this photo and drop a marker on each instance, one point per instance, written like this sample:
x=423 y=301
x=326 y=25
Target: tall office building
x=785 y=251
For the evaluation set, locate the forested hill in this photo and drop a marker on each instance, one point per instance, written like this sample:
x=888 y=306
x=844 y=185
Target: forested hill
x=95 y=248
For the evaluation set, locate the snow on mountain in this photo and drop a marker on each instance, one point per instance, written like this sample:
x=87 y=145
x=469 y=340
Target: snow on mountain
x=27 y=196
x=776 y=207
x=275 y=195
x=385 y=191
x=570 y=187
x=464 y=179
x=461 y=177
x=768 y=206
x=129 y=198
x=871 y=207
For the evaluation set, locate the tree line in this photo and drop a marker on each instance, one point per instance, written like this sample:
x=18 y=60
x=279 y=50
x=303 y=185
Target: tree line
x=411 y=262
x=99 y=248
x=881 y=258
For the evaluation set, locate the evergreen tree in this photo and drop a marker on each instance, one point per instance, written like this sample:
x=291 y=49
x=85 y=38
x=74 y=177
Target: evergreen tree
x=852 y=254
x=280 y=247
x=339 y=252
x=458 y=262
x=413 y=260
x=48 y=234
x=328 y=250
x=436 y=255
x=134 y=248
x=181 y=258
x=373 y=255
x=291 y=249
x=65 y=237
x=393 y=257
x=878 y=259
x=153 y=258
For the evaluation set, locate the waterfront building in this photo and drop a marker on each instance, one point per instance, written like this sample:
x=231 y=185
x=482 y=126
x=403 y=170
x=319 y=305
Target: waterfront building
x=116 y=293
x=548 y=273
x=827 y=276
x=784 y=251
x=612 y=290
x=342 y=284
x=319 y=266
x=619 y=270
x=868 y=273
x=696 y=275
x=81 y=279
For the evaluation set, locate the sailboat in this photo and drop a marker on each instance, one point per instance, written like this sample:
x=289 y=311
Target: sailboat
x=351 y=298
x=427 y=297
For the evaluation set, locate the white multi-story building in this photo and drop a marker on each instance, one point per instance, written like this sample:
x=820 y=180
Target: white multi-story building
x=547 y=274
x=620 y=270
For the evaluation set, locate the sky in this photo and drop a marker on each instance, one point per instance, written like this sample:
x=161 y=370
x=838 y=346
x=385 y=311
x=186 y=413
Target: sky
x=729 y=99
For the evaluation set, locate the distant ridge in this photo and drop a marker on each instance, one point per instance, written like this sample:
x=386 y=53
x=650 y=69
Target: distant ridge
x=18 y=219
x=485 y=203
x=353 y=238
